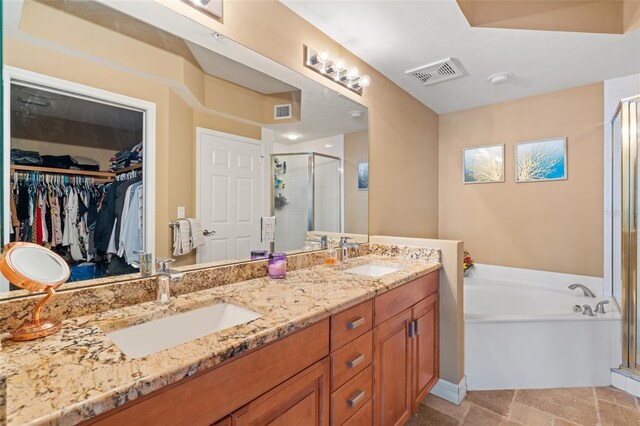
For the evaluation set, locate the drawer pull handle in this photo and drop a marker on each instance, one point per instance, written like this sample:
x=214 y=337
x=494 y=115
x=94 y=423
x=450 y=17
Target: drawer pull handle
x=355 y=323
x=356 y=398
x=353 y=362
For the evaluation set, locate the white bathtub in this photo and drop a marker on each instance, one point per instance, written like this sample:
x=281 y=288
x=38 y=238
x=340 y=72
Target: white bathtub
x=521 y=331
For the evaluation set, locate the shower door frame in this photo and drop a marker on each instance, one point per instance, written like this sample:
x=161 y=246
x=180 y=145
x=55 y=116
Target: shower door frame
x=628 y=111
x=311 y=188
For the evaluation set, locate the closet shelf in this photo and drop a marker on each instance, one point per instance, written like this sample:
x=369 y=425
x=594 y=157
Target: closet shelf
x=107 y=175
x=128 y=169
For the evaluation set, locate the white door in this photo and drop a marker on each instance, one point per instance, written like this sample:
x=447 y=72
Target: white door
x=229 y=182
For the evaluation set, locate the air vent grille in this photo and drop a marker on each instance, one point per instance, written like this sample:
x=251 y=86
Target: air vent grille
x=280 y=112
x=440 y=71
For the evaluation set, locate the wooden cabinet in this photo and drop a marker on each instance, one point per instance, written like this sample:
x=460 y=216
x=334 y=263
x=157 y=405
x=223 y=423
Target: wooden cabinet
x=371 y=364
x=425 y=350
x=213 y=394
x=301 y=400
x=405 y=349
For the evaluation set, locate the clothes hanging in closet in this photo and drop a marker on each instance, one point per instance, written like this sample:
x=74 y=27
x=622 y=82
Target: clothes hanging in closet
x=75 y=216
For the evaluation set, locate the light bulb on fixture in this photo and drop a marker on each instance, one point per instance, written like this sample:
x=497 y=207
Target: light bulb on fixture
x=364 y=81
x=339 y=64
x=352 y=74
x=292 y=137
x=323 y=56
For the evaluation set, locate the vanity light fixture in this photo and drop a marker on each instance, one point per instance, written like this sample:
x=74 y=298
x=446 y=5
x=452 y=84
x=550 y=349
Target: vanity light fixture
x=336 y=69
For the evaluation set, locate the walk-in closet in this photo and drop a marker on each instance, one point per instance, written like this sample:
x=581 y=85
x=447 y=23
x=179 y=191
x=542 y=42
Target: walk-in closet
x=76 y=177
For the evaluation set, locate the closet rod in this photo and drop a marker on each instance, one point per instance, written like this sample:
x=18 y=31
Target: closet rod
x=108 y=175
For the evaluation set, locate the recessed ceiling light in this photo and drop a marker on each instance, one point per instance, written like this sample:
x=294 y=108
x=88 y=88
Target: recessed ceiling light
x=328 y=145
x=356 y=114
x=292 y=137
x=499 y=78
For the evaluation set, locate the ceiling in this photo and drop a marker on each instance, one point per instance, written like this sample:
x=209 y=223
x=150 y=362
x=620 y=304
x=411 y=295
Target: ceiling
x=396 y=36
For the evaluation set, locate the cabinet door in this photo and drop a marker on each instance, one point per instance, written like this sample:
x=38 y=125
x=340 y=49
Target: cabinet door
x=392 y=373
x=301 y=400
x=425 y=348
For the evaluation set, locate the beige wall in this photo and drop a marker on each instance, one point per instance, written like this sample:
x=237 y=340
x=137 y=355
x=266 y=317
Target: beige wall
x=356 y=203
x=403 y=133
x=550 y=226
x=451 y=302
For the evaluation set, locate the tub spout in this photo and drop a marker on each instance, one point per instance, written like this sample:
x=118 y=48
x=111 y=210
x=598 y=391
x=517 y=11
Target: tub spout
x=588 y=311
x=585 y=289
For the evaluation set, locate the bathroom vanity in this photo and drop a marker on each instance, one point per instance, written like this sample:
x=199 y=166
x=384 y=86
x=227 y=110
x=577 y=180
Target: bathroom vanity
x=331 y=347
x=386 y=346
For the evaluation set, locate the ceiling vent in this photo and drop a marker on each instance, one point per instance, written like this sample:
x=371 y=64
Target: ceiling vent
x=281 y=112
x=437 y=72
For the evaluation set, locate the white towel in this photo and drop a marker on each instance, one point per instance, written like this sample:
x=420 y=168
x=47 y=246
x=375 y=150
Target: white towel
x=197 y=237
x=181 y=237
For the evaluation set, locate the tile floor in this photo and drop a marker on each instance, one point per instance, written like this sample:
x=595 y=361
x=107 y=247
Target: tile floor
x=533 y=407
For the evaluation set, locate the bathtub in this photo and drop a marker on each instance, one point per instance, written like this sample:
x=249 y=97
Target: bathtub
x=521 y=331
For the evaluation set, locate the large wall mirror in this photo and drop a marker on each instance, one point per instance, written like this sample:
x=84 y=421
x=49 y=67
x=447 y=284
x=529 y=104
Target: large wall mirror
x=121 y=118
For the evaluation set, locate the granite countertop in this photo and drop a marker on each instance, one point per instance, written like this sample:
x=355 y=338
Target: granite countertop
x=79 y=372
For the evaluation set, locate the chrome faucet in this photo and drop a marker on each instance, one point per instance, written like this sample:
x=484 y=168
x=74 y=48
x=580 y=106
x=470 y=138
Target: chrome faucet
x=165 y=277
x=344 y=245
x=600 y=307
x=144 y=263
x=588 y=311
x=320 y=239
x=585 y=289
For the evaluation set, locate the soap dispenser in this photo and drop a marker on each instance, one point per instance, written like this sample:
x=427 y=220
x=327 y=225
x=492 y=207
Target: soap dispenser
x=164 y=279
x=331 y=257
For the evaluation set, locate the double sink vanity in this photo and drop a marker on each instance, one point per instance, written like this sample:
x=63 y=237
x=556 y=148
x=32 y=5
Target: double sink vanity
x=352 y=344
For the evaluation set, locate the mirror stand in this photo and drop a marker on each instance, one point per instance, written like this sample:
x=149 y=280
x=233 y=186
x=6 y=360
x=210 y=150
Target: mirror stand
x=36 y=329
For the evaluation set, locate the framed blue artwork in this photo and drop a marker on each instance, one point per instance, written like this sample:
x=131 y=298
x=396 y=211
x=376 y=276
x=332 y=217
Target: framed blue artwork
x=483 y=164
x=363 y=176
x=542 y=160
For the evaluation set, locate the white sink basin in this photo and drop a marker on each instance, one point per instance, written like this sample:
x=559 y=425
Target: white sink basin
x=373 y=270
x=154 y=336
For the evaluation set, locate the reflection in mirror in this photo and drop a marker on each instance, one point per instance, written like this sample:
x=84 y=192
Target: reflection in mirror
x=225 y=142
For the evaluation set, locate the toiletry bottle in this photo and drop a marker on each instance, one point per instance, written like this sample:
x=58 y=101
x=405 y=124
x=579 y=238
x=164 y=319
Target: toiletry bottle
x=331 y=257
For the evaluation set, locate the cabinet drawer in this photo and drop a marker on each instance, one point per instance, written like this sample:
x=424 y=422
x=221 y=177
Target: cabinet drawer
x=347 y=400
x=364 y=416
x=397 y=300
x=351 y=323
x=351 y=359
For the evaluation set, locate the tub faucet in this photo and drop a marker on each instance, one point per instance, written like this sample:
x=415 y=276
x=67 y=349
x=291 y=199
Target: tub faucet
x=585 y=289
x=588 y=311
x=600 y=307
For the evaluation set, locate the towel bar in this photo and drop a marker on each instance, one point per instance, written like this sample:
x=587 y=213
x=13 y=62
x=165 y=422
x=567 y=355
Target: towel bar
x=205 y=232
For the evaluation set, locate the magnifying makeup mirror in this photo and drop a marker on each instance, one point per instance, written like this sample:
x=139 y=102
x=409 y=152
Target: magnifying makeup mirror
x=34 y=268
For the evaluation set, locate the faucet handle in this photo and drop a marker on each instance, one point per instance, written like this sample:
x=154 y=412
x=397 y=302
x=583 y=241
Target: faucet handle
x=162 y=263
x=600 y=307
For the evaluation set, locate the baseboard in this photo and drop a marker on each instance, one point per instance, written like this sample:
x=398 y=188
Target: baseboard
x=451 y=392
x=625 y=381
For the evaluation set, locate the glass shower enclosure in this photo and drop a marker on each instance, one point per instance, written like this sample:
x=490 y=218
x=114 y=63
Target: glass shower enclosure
x=625 y=184
x=306 y=195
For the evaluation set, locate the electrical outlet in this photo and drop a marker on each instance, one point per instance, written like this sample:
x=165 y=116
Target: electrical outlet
x=268 y=228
